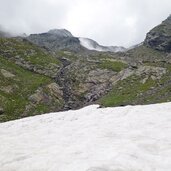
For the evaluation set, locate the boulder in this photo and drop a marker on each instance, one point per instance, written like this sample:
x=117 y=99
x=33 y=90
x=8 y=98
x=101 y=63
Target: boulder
x=7 y=74
x=55 y=89
x=37 y=97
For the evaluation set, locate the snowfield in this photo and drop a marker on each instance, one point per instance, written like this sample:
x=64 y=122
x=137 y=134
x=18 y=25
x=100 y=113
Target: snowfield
x=131 y=138
x=93 y=45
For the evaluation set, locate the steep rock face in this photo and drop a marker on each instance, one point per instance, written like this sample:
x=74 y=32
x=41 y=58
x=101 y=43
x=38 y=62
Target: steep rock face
x=57 y=39
x=159 y=38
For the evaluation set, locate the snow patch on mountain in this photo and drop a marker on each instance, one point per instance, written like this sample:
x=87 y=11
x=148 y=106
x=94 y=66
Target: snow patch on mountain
x=131 y=138
x=93 y=45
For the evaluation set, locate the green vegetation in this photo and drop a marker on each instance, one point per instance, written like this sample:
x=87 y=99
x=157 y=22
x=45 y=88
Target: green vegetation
x=15 y=91
x=24 y=49
x=126 y=91
x=34 y=80
x=112 y=65
x=144 y=53
x=69 y=55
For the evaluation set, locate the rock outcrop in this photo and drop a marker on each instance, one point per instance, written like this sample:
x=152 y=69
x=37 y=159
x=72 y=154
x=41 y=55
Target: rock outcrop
x=7 y=74
x=159 y=38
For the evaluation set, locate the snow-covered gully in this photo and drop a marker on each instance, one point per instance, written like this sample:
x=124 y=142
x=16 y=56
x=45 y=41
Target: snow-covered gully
x=131 y=138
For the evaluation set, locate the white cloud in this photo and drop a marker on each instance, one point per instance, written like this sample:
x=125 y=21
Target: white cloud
x=109 y=22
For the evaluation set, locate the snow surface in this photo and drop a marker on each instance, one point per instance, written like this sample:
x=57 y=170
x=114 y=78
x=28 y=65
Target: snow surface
x=90 y=44
x=93 y=45
x=131 y=138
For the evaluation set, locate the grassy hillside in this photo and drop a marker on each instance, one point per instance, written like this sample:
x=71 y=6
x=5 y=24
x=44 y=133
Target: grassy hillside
x=12 y=47
x=148 y=87
x=16 y=87
x=24 y=87
x=29 y=56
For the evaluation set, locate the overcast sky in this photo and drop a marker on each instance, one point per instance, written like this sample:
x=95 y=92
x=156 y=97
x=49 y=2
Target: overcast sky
x=109 y=22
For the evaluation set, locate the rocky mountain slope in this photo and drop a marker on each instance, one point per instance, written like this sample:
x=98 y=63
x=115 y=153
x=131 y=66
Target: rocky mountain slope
x=52 y=72
x=159 y=38
x=27 y=85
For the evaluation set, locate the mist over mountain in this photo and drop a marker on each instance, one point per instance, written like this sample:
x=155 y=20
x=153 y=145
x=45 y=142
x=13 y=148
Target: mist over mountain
x=4 y=33
x=93 y=45
x=118 y=23
x=85 y=85
x=58 y=39
x=63 y=39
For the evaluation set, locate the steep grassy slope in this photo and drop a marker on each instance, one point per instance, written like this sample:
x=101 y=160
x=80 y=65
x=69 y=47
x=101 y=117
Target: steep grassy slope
x=22 y=48
x=23 y=92
x=151 y=84
x=29 y=56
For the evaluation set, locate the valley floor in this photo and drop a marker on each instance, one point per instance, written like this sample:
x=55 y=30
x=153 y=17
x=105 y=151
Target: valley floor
x=131 y=138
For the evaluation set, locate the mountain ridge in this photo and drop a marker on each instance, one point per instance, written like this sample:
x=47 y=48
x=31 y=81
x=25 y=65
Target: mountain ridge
x=46 y=72
x=159 y=37
x=67 y=40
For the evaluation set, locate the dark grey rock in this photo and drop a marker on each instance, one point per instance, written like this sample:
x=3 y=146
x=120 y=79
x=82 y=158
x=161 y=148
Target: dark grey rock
x=159 y=38
x=1 y=110
x=55 y=40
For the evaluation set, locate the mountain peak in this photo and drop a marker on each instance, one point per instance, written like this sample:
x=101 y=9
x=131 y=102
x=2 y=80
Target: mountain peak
x=168 y=20
x=159 y=37
x=61 y=32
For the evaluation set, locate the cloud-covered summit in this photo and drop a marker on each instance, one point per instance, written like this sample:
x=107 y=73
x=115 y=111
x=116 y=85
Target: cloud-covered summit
x=117 y=22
